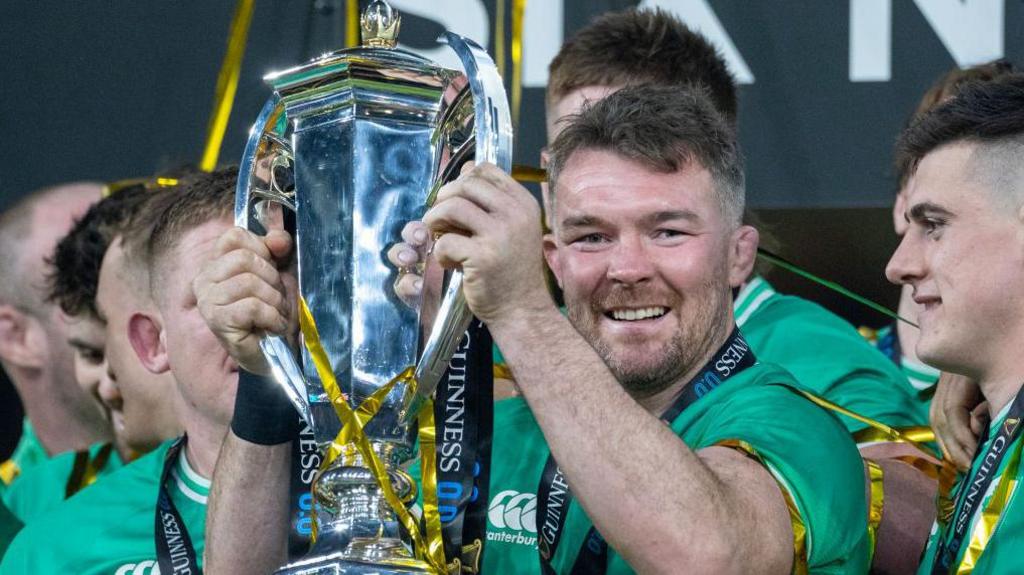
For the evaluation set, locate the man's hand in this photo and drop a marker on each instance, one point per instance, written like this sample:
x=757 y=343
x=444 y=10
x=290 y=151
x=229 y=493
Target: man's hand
x=407 y=255
x=243 y=293
x=958 y=416
x=490 y=226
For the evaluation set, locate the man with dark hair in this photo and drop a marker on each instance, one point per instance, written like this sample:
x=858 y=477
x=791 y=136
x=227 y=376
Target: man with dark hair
x=110 y=527
x=73 y=278
x=961 y=254
x=60 y=416
x=955 y=413
x=647 y=245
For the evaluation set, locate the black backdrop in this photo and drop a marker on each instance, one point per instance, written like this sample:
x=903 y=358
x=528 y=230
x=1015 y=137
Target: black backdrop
x=116 y=88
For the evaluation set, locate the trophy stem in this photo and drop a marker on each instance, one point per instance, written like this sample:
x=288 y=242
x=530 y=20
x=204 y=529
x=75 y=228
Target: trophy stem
x=358 y=532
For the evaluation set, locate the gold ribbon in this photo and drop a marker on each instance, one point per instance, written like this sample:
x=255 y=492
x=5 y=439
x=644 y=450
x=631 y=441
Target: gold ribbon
x=986 y=525
x=86 y=469
x=9 y=471
x=518 y=10
x=799 y=529
x=351 y=434
x=227 y=84
x=352 y=34
x=877 y=477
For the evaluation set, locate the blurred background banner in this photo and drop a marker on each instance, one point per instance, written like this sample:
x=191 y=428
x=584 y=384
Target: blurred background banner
x=115 y=89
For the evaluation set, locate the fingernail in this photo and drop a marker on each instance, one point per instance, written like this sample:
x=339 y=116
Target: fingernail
x=417 y=285
x=420 y=235
x=406 y=257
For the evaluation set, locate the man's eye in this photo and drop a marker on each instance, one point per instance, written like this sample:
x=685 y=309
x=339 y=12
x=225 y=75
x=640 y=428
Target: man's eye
x=589 y=239
x=667 y=233
x=92 y=356
x=932 y=226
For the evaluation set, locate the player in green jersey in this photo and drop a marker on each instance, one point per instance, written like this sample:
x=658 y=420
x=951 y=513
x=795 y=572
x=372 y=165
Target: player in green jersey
x=60 y=416
x=961 y=255
x=648 y=285
x=86 y=270
x=168 y=337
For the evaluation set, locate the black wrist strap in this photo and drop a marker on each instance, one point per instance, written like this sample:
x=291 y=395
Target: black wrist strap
x=263 y=414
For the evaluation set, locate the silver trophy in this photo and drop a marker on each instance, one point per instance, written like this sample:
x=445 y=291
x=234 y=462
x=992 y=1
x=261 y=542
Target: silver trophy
x=354 y=143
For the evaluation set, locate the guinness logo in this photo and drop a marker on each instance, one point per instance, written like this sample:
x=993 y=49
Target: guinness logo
x=1010 y=425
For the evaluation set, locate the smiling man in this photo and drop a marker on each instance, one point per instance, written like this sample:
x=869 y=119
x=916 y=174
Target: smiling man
x=654 y=407
x=111 y=527
x=963 y=256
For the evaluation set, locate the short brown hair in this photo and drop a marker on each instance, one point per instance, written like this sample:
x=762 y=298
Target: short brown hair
x=75 y=264
x=634 y=47
x=200 y=199
x=664 y=128
x=945 y=88
x=987 y=113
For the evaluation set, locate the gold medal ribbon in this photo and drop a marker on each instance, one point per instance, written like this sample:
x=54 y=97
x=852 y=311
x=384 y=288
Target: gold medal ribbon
x=352 y=433
x=986 y=524
x=799 y=529
x=877 y=476
x=518 y=12
x=227 y=84
x=352 y=34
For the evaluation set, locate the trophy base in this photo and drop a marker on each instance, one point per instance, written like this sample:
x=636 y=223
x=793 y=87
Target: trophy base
x=361 y=558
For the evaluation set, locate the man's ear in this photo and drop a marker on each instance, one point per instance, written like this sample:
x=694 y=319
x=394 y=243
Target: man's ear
x=20 y=340
x=551 y=255
x=742 y=255
x=145 y=333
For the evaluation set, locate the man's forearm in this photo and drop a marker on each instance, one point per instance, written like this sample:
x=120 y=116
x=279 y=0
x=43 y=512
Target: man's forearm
x=651 y=497
x=248 y=518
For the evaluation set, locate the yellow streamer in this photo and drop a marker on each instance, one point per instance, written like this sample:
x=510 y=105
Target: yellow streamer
x=986 y=525
x=227 y=84
x=428 y=456
x=799 y=528
x=877 y=477
x=9 y=471
x=518 y=10
x=352 y=434
x=499 y=36
x=352 y=34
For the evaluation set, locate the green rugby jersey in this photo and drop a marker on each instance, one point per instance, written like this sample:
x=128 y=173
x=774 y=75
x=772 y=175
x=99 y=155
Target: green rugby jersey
x=28 y=453
x=807 y=451
x=1004 y=552
x=109 y=528
x=9 y=527
x=43 y=486
x=827 y=356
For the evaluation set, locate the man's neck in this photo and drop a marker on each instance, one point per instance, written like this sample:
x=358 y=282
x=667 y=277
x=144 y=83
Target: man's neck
x=204 y=441
x=999 y=391
x=658 y=403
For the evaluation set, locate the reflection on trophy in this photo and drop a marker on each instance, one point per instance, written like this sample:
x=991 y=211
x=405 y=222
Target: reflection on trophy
x=355 y=143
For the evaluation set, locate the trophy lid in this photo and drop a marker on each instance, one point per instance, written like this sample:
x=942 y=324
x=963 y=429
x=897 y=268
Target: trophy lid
x=379 y=25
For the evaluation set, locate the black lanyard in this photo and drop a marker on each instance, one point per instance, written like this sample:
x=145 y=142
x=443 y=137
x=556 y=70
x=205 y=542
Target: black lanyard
x=463 y=416
x=174 y=550
x=554 y=497
x=973 y=488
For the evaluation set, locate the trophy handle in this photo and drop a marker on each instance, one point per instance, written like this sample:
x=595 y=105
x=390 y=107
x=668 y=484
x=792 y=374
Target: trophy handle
x=493 y=140
x=265 y=151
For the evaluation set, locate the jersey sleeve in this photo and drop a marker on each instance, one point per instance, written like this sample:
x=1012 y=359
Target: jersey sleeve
x=815 y=463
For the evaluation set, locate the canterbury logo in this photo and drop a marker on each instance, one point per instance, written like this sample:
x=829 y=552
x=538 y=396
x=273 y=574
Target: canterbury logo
x=140 y=568
x=514 y=510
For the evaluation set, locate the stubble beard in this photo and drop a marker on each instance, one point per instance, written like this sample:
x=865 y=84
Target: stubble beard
x=675 y=359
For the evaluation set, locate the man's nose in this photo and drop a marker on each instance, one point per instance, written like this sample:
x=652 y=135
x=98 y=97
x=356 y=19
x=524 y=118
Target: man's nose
x=110 y=394
x=906 y=264
x=630 y=263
